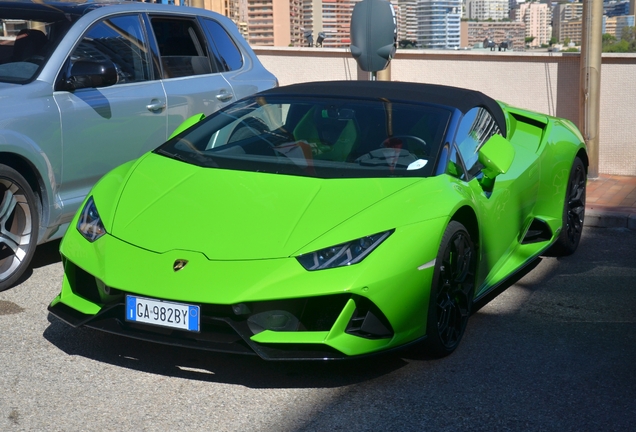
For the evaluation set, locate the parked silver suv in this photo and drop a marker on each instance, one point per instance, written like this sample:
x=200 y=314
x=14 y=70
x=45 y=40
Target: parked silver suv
x=85 y=87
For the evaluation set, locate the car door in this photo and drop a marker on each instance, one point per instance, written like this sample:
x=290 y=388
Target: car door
x=505 y=207
x=104 y=127
x=238 y=69
x=192 y=77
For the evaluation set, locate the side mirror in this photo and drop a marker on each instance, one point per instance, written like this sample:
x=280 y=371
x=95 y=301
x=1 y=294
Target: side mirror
x=91 y=73
x=496 y=155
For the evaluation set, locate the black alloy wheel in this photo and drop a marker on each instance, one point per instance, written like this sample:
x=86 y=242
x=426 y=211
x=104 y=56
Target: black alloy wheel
x=452 y=291
x=18 y=226
x=573 y=211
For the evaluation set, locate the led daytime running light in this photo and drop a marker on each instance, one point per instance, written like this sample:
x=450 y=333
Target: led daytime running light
x=343 y=254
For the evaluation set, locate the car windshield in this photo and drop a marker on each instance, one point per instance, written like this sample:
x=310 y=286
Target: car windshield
x=27 y=39
x=316 y=137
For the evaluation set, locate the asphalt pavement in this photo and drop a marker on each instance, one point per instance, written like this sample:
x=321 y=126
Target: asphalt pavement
x=555 y=351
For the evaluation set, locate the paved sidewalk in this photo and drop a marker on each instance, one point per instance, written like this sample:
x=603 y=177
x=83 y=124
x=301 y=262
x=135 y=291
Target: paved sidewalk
x=611 y=202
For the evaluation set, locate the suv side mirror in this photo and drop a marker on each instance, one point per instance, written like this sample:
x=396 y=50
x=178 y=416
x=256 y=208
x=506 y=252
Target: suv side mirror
x=91 y=73
x=496 y=155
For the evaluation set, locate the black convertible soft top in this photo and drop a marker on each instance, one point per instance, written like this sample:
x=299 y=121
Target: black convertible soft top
x=398 y=91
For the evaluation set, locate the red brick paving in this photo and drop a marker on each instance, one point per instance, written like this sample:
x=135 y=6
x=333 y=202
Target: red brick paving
x=606 y=191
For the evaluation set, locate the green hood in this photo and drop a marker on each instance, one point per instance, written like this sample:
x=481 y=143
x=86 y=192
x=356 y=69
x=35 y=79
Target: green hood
x=236 y=215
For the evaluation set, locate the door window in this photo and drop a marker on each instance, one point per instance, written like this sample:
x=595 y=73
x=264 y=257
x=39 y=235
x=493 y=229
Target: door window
x=475 y=128
x=121 y=40
x=227 y=53
x=182 y=50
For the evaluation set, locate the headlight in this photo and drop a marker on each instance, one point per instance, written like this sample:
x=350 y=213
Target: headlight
x=90 y=224
x=343 y=254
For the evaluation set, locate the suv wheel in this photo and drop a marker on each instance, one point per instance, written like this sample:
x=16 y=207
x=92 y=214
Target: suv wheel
x=18 y=226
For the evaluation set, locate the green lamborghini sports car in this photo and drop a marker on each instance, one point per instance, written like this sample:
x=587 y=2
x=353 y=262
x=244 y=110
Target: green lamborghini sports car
x=324 y=221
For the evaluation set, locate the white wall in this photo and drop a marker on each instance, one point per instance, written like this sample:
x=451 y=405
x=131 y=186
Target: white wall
x=544 y=82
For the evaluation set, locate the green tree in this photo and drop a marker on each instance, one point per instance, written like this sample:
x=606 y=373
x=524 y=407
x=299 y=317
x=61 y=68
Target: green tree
x=618 y=47
x=628 y=34
x=626 y=44
x=608 y=39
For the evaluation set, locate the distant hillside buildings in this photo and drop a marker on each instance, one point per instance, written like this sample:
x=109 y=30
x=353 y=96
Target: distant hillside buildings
x=437 y=24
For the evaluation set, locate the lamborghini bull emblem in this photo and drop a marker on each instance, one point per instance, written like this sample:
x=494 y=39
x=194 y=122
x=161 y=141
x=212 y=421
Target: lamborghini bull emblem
x=179 y=264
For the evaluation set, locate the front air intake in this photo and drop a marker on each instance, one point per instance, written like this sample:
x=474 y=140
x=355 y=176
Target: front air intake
x=368 y=321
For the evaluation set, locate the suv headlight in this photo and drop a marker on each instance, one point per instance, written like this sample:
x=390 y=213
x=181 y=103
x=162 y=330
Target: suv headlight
x=89 y=223
x=343 y=254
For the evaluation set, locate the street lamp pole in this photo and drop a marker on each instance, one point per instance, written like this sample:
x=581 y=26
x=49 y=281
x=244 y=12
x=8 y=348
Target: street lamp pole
x=590 y=80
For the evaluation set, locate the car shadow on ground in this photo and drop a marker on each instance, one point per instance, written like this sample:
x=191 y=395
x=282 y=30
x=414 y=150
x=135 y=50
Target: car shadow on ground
x=45 y=254
x=246 y=370
x=249 y=371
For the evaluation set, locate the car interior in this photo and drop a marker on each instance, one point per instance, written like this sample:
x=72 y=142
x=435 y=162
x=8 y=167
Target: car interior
x=342 y=134
x=29 y=44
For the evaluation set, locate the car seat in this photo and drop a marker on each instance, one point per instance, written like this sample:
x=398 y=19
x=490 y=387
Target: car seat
x=28 y=43
x=332 y=138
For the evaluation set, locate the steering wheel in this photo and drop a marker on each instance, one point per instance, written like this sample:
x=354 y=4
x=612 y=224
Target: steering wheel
x=400 y=141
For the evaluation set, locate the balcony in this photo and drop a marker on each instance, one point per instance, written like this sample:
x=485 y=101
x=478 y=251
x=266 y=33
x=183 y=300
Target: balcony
x=539 y=81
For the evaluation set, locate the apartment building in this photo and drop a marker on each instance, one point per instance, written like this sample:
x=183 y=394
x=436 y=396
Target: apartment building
x=407 y=19
x=487 y=9
x=614 y=25
x=536 y=17
x=275 y=23
x=336 y=22
x=474 y=33
x=566 y=12
x=438 y=23
x=312 y=17
x=617 y=8
x=571 y=31
x=567 y=22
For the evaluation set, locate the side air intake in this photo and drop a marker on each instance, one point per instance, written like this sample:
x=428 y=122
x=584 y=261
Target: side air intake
x=538 y=231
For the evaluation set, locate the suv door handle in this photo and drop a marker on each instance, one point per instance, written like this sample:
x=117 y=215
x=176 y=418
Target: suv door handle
x=224 y=96
x=156 y=105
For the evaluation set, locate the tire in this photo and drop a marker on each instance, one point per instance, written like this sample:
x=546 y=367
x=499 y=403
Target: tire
x=18 y=226
x=452 y=291
x=573 y=211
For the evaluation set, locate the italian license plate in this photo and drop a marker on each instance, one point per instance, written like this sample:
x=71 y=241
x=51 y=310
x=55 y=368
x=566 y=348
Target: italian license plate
x=162 y=313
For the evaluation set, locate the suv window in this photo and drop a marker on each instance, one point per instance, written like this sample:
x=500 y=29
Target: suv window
x=121 y=40
x=474 y=129
x=228 y=55
x=181 y=48
x=26 y=42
